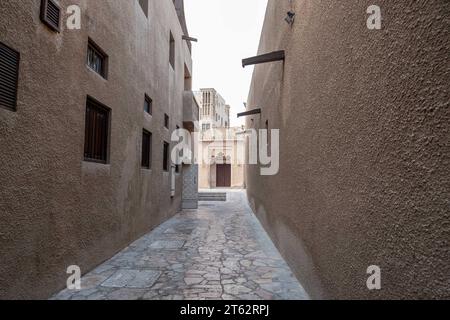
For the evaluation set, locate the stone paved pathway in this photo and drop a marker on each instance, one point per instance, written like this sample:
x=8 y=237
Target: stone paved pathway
x=219 y=251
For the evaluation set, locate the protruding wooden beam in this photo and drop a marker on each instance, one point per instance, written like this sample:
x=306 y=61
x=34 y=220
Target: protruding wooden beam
x=189 y=39
x=249 y=113
x=264 y=58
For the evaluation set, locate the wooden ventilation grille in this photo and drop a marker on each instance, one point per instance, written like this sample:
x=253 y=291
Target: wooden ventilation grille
x=9 y=72
x=51 y=14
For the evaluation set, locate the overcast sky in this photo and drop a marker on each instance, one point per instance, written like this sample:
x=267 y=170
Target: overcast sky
x=228 y=31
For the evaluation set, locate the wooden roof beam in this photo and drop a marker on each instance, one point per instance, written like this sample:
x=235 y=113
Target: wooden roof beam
x=249 y=113
x=187 y=38
x=264 y=58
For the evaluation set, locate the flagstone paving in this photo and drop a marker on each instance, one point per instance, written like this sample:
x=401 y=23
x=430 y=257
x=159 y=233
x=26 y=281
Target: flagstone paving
x=219 y=251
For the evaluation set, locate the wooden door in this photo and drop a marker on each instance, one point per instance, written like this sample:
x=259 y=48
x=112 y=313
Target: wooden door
x=223 y=176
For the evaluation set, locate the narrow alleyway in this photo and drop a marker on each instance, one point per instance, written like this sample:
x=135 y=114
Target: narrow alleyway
x=219 y=251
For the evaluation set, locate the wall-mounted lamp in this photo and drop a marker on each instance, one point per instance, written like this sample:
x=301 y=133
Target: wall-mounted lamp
x=290 y=18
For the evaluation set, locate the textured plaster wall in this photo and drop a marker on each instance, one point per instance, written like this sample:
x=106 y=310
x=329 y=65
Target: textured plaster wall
x=55 y=209
x=365 y=126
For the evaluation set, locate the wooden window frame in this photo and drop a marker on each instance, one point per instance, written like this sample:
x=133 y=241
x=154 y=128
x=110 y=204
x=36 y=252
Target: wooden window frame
x=90 y=101
x=148 y=100
x=148 y=165
x=166 y=156
x=102 y=54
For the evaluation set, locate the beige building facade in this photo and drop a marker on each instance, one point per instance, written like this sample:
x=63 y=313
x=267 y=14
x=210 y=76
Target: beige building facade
x=214 y=112
x=364 y=145
x=85 y=133
x=221 y=147
x=221 y=158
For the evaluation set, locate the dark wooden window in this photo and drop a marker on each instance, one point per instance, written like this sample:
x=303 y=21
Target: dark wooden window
x=177 y=166
x=146 y=149
x=148 y=105
x=172 y=51
x=144 y=6
x=96 y=132
x=9 y=74
x=166 y=157
x=97 y=59
x=166 y=121
x=51 y=14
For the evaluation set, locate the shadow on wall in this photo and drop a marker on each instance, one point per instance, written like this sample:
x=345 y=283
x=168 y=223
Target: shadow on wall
x=288 y=244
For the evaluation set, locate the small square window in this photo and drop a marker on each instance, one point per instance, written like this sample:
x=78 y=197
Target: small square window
x=166 y=121
x=148 y=105
x=97 y=59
